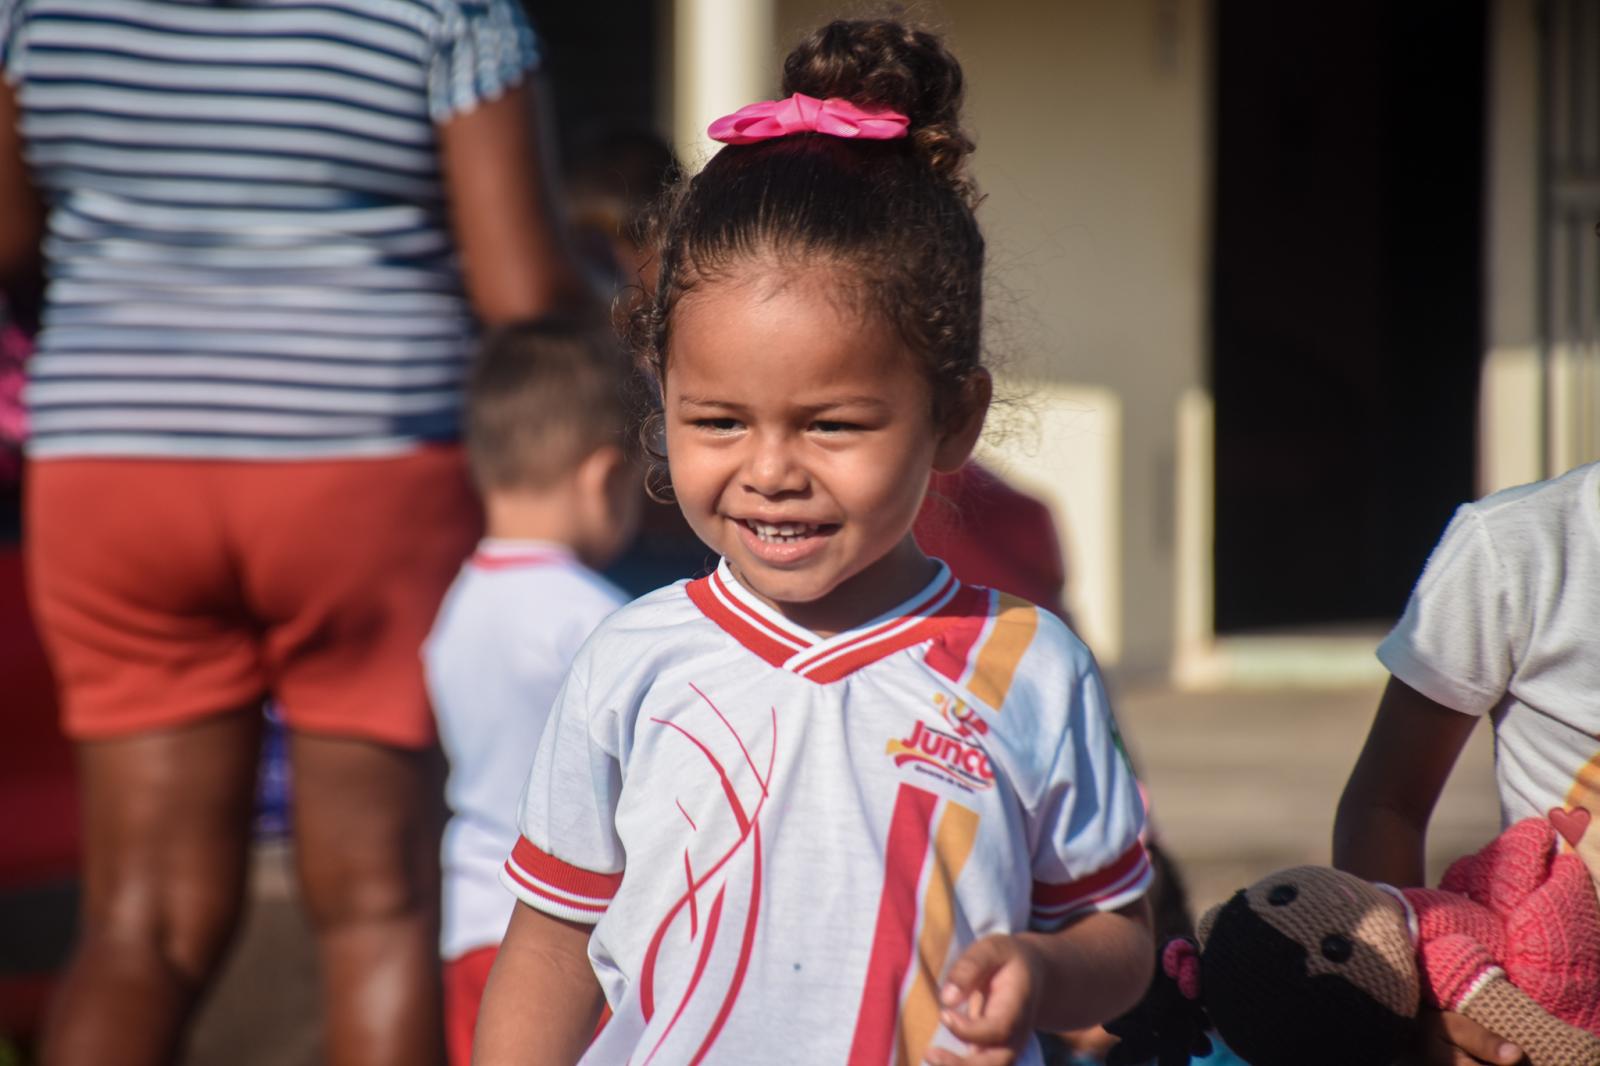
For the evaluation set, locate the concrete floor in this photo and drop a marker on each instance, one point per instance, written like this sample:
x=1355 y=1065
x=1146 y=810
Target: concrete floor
x=1242 y=782
x=264 y=1011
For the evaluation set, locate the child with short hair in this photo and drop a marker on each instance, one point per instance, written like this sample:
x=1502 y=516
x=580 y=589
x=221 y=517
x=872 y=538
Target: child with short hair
x=827 y=804
x=1503 y=625
x=546 y=417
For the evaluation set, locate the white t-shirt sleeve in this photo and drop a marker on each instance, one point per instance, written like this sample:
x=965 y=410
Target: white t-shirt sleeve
x=1454 y=642
x=568 y=860
x=1086 y=827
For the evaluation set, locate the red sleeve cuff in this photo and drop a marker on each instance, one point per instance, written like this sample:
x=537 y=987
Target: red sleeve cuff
x=1112 y=886
x=557 y=887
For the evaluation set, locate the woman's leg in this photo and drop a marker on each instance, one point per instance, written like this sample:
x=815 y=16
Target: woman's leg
x=166 y=846
x=367 y=823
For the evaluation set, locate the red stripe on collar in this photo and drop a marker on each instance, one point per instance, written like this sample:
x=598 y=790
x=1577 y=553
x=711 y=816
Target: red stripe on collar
x=966 y=601
x=513 y=560
x=737 y=624
x=733 y=596
x=945 y=605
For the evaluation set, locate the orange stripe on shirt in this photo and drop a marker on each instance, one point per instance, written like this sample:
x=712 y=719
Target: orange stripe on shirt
x=1585 y=794
x=1016 y=621
x=919 y=1017
x=1586 y=785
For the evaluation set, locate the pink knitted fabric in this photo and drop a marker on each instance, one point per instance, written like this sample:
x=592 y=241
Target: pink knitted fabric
x=1458 y=940
x=1518 y=905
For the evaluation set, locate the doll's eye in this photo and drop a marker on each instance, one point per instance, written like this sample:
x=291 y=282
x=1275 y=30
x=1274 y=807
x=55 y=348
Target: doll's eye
x=1282 y=895
x=1336 y=948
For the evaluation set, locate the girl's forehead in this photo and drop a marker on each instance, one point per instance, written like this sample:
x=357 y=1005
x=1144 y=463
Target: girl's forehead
x=797 y=325
x=803 y=371
x=823 y=283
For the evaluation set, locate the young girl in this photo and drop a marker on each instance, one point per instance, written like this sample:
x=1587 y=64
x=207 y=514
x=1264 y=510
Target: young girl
x=826 y=805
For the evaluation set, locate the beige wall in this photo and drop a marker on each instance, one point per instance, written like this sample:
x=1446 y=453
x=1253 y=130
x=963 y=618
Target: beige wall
x=1090 y=117
x=1511 y=437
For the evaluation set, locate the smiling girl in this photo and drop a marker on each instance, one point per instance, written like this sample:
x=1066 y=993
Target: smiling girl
x=827 y=804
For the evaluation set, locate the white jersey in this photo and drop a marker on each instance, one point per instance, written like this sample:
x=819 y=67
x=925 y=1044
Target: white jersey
x=504 y=639
x=784 y=840
x=1504 y=623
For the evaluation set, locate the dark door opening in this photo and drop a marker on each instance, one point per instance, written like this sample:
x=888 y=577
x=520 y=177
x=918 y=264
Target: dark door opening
x=600 y=66
x=1345 y=332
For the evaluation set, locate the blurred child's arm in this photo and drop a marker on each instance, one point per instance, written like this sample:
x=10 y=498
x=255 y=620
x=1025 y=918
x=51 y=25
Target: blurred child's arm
x=1381 y=829
x=542 y=1000
x=1005 y=987
x=1381 y=834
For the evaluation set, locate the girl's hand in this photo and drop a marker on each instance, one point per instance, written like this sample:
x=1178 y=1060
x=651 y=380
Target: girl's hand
x=997 y=981
x=1451 y=1039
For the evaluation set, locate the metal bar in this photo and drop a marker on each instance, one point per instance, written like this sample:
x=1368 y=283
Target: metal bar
x=1548 y=13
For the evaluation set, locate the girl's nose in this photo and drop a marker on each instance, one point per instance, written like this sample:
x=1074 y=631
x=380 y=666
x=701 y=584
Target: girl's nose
x=772 y=468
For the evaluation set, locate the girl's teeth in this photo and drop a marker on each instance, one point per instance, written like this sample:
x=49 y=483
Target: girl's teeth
x=781 y=532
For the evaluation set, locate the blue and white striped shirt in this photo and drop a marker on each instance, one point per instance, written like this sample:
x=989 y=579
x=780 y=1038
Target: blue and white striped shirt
x=248 y=244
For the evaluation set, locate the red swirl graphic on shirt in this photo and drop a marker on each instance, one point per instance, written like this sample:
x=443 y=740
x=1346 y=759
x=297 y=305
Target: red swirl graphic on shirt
x=749 y=837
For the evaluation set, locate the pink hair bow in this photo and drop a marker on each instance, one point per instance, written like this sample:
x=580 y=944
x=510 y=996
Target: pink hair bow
x=800 y=113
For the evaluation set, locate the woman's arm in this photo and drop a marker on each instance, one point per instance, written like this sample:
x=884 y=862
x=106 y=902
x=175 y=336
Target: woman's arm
x=1005 y=987
x=22 y=217
x=512 y=235
x=542 y=1001
x=1381 y=828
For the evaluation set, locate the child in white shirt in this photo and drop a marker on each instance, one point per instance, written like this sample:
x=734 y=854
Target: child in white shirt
x=545 y=422
x=827 y=804
x=1504 y=624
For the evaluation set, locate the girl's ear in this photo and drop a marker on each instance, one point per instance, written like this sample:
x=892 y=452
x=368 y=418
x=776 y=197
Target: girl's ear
x=959 y=435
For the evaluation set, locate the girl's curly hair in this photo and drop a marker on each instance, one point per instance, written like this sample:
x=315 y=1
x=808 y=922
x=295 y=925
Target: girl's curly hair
x=895 y=216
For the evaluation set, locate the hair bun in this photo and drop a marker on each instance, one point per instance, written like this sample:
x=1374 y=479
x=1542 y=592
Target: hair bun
x=884 y=63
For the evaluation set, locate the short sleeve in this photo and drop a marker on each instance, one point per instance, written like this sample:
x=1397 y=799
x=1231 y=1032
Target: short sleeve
x=481 y=49
x=1087 y=853
x=1454 y=642
x=567 y=860
x=11 y=45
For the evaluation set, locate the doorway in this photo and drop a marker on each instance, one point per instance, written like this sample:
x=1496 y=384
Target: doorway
x=1345 y=333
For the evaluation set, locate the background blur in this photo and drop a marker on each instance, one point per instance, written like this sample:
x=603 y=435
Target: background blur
x=1274 y=287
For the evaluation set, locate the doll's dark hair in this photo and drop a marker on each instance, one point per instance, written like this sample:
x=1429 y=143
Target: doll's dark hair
x=893 y=218
x=1259 y=994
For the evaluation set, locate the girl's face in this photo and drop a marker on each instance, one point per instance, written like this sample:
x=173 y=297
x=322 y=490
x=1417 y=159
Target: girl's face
x=800 y=438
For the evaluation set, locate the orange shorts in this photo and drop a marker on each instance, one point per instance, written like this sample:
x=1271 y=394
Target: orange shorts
x=170 y=590
x=465 y=978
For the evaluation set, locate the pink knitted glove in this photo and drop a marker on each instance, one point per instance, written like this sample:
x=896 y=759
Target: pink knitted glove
x=1553 y=944
x=1451 y=967
x=1507 y=869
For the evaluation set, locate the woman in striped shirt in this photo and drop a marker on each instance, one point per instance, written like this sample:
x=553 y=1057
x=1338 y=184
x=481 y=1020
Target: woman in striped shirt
x=270 y=229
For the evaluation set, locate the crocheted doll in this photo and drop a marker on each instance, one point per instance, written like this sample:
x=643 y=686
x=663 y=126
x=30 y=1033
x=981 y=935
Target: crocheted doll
x=1311 y=966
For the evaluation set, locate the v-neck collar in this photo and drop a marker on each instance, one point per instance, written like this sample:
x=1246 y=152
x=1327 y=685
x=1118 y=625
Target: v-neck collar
x=791 y=647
